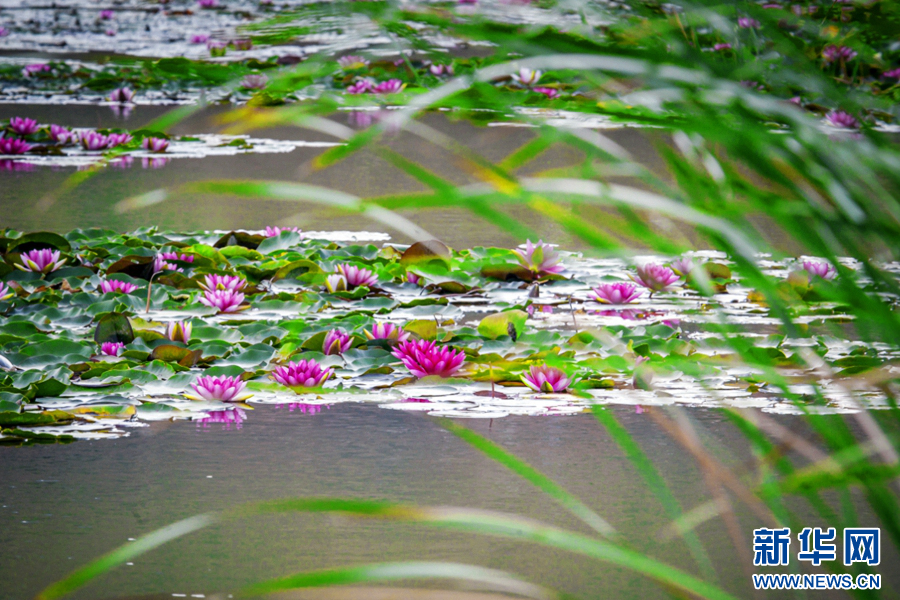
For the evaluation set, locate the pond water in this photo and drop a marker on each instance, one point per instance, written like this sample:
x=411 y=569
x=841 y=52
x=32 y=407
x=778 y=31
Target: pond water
x=60 y=505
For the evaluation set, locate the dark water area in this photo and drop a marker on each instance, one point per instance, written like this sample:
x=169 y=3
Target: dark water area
x=65 y=504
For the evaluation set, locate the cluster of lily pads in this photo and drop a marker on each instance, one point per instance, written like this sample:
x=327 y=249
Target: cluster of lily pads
x=99 y=325
x=828 y=35
x=25 y=142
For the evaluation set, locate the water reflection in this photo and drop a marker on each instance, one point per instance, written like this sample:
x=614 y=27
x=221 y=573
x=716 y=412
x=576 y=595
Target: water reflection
x=229 y=418
x=304 y=408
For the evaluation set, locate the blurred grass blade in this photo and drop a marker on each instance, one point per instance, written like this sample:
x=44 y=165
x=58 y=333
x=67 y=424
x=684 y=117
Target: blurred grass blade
x=532 y=475
x=655 y=482
x=123 y=554
x=372 y=573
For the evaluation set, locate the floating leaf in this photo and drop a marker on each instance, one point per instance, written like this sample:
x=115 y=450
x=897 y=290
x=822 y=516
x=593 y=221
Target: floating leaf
x=493 y=326
x=113 y=327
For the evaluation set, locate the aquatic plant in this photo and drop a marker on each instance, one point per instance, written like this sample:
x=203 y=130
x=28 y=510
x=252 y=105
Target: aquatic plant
x=254 y=81
x=92 y=140
x=154 y=144
x=303 y=373
x=44 y=260
x=109 y=286
x=839 y=118
x=23 y=125
x=832 y=53
x=551 y=93
x=6 y=292
x=31 y=70
x=61 y=135
x=361 y=86
x=273 y=231
x=213 y=282
x=117 y=139
x=546 y=379
x=121 y=95
x=336 y=282
x=199 y=38
x=352 y=61
x=13 y=146
x=223 y=300
x=426 y=357
x=440 y=70
x=818 y=268
x=386 y=331
x=222 y=388
x=112 y=348
x=540 y=258
x=391 y=86
x=527 y=77
x=748 y=23
x=357 y=276
x=655 y=277
x=179 y=331
x=336 y=342
x=616 y=293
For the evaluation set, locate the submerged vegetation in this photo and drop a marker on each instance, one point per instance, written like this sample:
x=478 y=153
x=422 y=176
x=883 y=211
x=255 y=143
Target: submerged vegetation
x=769 y=279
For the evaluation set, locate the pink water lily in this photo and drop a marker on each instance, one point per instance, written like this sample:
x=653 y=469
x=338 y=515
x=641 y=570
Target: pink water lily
x=391 y=86
x=30 y=70
x=91 y=140
x=23 y=126
x=217 y=47
x=160 y=264
x=352 y=61
x=546 y=379
x=121 y=95
x=363 y=86
x=832 y=53
x=223 y=388
x=6 y=292
x=527 y=77
x=721 y=47
x=61 y=135
x=117 y=139
x=305 y=373
x=208 y=3
x=14 y=146
x=748 y=23
x=336 y=342
x=893 y=73
x=440 y=70
x=112 y=348
x=357 y=276
x=154 y=144
x=199 y=38
x=386 y=331
x=226 y=301
x=683 y=266
x=109 y=286
x=413 y=278
x=423 y=358
x=242 y=44
x=655 y=278
x=214 y=282
x=188 y=258
x=254 y=82
x=228 y=417
x=179 y=331
x=551 y=93
x=841 y=119
x=539 y=258
x=107 y=14
x=616 y=293
x=822 y=269
x=273 y=231
x=336 y=283
x=44 y=261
